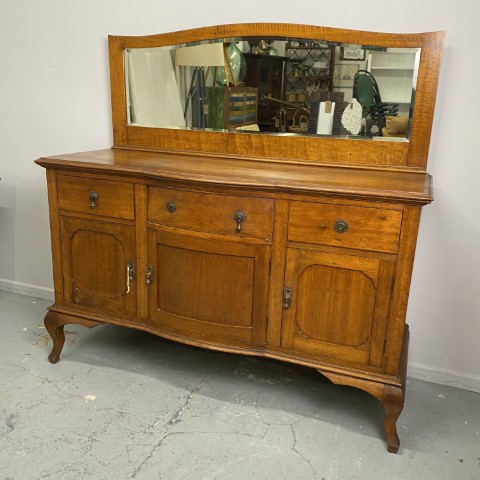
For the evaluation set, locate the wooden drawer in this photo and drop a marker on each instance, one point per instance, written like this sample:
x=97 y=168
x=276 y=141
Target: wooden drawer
x=348 y=226
x=114 y=199
x=212 y=213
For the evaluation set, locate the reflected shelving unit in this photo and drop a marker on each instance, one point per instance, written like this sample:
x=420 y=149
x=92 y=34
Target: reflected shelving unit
x=309 y=67
x=393 y=70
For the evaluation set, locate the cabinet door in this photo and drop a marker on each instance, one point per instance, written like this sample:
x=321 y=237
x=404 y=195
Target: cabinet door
x=95 y=258
x=206 y=288
x=339 y=305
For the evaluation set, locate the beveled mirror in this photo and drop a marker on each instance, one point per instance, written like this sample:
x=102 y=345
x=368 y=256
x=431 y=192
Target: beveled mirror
x=292 y=92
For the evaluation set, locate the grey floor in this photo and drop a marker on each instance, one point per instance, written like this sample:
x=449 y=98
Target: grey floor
x=122 y=404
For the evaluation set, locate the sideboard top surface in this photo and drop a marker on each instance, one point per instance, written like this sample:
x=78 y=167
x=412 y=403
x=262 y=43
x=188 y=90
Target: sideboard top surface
x=232 y=172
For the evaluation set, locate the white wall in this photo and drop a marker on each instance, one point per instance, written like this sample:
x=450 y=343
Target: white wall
x=54 y=94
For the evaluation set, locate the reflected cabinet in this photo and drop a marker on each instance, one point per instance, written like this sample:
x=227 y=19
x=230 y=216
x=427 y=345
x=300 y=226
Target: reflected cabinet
x=294 y=247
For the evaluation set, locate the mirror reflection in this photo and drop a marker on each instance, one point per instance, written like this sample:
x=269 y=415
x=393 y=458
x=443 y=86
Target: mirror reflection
x=274 y=86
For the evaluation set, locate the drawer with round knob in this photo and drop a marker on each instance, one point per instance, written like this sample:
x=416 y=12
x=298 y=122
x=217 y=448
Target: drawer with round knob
x=211 y=213
x=348 y=226
x=96 y=196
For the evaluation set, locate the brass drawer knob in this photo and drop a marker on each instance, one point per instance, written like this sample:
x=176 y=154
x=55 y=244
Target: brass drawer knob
x=239 y=216
x=93 y=197
x=341 y=226
x=171 y=206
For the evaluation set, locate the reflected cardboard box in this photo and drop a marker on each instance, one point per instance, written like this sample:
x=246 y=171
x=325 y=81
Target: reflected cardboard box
x=231 y=107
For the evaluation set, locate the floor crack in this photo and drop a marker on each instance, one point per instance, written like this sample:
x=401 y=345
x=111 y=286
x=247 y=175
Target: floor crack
x=176 y=418
x=294 y=449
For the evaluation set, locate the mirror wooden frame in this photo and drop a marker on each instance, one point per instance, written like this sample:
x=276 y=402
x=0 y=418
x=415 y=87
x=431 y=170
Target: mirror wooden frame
x=411 y=155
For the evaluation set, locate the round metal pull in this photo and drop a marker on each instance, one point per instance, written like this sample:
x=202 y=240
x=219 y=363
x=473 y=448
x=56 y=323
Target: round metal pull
x=239 y=216
x=171 y=206
x=93 y=197
x=341 y=226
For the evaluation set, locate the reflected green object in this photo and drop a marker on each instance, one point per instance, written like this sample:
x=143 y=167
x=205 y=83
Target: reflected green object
x=231 y=107
x=238 y=64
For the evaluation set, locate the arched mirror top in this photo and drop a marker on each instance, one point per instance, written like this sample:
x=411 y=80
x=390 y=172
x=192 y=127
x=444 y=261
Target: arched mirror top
x=279 y=92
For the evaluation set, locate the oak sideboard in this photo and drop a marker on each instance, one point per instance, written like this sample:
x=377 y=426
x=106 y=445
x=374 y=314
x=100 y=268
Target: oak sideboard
x=292 y=246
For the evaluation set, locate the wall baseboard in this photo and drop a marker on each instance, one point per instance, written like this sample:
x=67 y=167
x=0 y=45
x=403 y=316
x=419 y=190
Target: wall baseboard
x=442 y=376
x=417 y=371
x=27 y=289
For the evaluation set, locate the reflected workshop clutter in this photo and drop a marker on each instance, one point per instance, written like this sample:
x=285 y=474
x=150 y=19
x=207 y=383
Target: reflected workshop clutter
x=274 y=86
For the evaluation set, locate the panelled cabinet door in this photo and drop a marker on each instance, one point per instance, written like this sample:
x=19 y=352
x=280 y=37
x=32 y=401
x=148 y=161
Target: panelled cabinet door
x=98 y=264
x=214 y=290
x=339 y=305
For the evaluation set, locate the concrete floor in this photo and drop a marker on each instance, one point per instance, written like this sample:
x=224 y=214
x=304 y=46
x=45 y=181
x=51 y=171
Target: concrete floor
x=123 y=404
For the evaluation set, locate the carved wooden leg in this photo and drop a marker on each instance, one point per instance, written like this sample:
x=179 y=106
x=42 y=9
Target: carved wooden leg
x=391 y=396
x=54 y=323
x=393 y=401
x=54 y=327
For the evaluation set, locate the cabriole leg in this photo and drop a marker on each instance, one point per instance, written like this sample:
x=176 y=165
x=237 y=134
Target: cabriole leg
x=54 y=323
x=391 y=396
x=55 y=329
x=393 y=401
